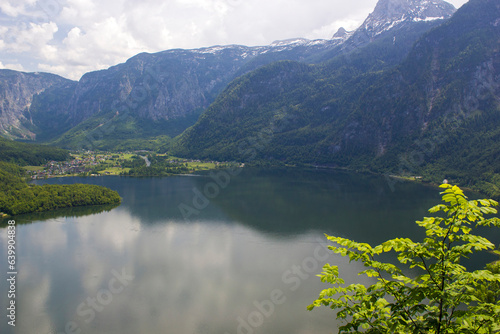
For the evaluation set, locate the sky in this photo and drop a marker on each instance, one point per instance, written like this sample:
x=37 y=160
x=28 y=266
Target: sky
x=72 y=37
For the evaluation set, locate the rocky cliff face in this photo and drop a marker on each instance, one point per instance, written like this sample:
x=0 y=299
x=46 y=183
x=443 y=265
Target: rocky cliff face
x=390 y=16
x=17 y=91
x=175 y=83
x=390 y=13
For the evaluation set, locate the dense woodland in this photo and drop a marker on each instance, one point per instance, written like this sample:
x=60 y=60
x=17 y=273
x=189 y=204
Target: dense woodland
x=25 y=154
x=160 y=166
x=18 y=197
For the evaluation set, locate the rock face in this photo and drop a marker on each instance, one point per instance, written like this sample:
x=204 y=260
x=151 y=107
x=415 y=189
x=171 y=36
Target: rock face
x=390 y=13
x=17 y=92
x=165 y=85
x=391 y=16
x=177 y=83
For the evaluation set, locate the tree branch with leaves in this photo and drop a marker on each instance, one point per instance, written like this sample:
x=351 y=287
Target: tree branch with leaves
x=443 y=297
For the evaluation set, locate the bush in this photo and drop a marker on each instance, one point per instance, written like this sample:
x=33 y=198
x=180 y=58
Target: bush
x=443 y=298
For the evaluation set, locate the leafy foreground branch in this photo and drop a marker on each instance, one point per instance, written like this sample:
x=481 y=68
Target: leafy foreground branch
x=443 y=298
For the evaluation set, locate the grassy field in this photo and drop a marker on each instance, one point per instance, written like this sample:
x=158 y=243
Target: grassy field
x=34 y=168
x=114 y=171
x=202 y=165
x=125 y=156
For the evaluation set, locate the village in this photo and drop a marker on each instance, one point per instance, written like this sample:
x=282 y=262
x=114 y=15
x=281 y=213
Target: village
x=96 y=164
x=82 y=164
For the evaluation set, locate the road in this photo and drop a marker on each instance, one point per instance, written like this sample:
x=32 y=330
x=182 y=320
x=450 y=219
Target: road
x=148 y=163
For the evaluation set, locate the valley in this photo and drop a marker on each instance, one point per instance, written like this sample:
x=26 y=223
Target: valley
x=413 y=91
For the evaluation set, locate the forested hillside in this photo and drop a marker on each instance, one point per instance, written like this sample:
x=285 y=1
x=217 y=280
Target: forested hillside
x=436 y=113
x=30 y=154
x=17 y=197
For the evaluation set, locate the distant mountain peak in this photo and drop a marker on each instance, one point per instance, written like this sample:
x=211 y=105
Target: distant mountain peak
x=391 y=13
x=341 y=34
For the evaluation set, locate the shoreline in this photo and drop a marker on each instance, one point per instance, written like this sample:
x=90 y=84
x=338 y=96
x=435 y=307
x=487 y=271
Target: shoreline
x=412 y=179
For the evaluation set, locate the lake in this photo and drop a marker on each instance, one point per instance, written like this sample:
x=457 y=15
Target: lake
x=220 y=253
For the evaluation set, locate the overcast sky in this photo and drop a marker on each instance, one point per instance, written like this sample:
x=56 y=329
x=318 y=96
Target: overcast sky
x=72 y=37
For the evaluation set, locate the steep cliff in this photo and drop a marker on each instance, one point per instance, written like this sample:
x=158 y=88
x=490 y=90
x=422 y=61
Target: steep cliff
x=18 y=91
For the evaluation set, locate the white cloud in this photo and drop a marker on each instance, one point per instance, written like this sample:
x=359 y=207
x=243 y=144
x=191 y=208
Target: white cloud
x=14 y=8
x=100 y=45
x=80 y=11
x=16 y=67
x=29 y=37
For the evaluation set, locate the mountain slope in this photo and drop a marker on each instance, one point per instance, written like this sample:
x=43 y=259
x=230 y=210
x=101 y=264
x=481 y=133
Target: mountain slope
x=19 y=92
x=414 y=118
x=30 y=154
x=397 y=21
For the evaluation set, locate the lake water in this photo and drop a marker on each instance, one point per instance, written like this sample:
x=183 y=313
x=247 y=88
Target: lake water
x=208 y=254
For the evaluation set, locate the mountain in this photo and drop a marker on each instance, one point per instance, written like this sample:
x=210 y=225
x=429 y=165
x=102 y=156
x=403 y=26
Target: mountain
x=397 y=21
x=176 y=83
x=162 y=94
x=19 y=92
x=435 y=114
x=391 y=13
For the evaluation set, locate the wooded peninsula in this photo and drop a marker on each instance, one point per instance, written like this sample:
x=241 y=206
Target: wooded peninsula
x=19 y=197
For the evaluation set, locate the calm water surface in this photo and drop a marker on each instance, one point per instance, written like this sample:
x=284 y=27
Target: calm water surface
x=201 y=254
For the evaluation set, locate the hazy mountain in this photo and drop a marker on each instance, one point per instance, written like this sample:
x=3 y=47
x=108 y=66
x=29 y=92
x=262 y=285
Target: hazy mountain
x=18 y=92
x=391 y=13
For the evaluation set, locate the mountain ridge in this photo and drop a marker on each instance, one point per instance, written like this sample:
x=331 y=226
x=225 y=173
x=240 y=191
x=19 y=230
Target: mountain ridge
x=165 y=90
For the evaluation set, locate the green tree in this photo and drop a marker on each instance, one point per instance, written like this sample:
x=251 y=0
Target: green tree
x=443 y=297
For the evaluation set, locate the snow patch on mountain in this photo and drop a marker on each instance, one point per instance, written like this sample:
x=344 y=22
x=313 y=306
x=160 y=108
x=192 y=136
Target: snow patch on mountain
x=389 y=14
x=427 y=19
x=253 y=51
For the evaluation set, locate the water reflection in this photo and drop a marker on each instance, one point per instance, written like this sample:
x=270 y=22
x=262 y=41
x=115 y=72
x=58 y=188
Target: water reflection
x=60 y=213
x=187 y=278
x=245 y=264
x=283 y=202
